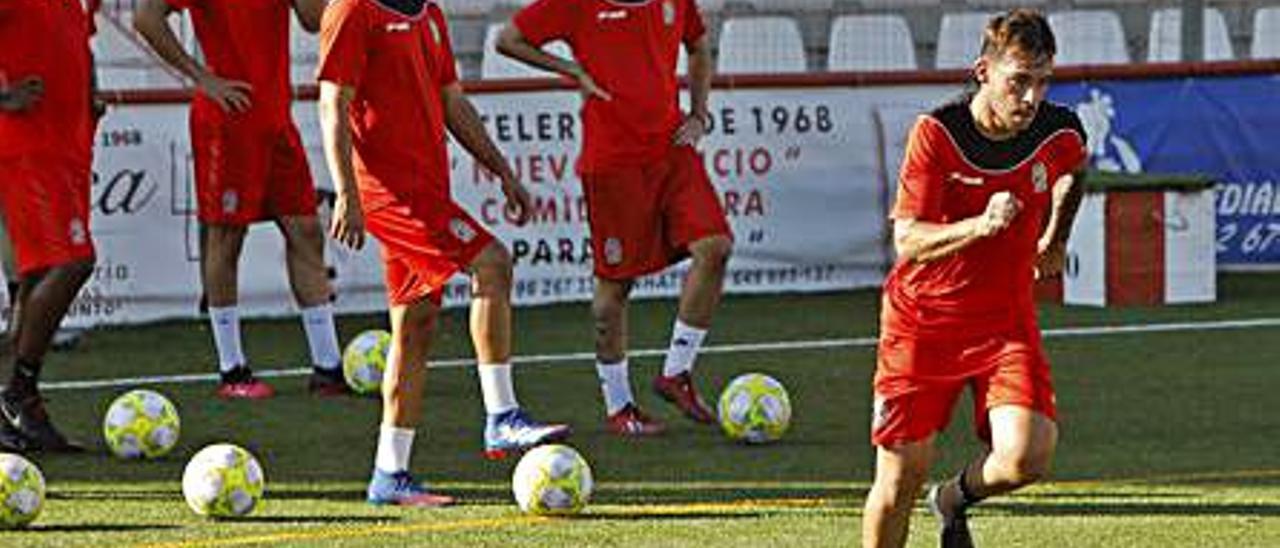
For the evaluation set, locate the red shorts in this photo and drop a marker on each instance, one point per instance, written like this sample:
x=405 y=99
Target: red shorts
x=424 y=246
x=913 y=401
x=643 y=218
x=46 y=211
x=246 y=173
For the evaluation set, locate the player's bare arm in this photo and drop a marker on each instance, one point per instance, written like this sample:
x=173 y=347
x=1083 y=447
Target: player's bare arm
x=464 y=124
x=698 y=119
x=347 y=226
x=21 y=96
x=309 y=13
x=923 y=241
x=1068 y=191
x=512 y=43
x=149 y=21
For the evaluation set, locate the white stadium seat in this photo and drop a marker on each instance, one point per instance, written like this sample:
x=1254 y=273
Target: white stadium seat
x=792 y=5
x=497 y=65
x=1266 y=33
x=1007 y=4
x=1089 y=37
x=474 y=8
x=1165 y=40
x=760 y=45
x=870 y=42
x=960 y=39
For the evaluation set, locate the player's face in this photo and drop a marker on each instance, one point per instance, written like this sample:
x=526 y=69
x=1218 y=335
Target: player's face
x=1016 y=84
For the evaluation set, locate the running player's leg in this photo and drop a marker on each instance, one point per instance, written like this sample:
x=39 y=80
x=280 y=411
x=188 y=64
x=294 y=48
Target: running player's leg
x=901 y=471
x=507 y=426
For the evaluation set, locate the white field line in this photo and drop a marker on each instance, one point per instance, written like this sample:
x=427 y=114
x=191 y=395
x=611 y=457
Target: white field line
x=746 y=348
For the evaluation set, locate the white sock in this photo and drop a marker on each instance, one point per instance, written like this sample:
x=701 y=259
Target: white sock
x=615 y=384
x=496 y=387
x=395 y=445
x=225 y=322
x=322 y=337
x=686 y=340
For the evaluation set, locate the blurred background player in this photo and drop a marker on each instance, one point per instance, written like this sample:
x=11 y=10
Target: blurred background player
x=649 y=200
x=388 y=90
x=250 y=167
x=988 y=190
x=47 y=119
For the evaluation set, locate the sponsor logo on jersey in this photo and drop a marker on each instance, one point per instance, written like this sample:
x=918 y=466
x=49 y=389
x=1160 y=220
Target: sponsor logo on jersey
x=435 y=31
x=611 y=15
x=399 y=26
x=613 y=251
x=461 y=230
x=1040 y=177
x=668 y=12
x=964 y=179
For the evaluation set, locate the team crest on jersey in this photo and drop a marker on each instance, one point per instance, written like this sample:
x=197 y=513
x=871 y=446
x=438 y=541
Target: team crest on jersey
x=461 y=230
x=435 y=31
x=669 y=12
x=613 y=251
x=230 y=201
x=1040 y=177
x=77 y=232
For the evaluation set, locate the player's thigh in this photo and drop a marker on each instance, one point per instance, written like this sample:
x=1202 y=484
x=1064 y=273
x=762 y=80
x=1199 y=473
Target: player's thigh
x=45 y=204
x=623 y=211
x=289 y=189
x=231 y=164
x=904 y=467
x=691 y=209
x=423 y=246
x=1016 y=375
x=1023 y=435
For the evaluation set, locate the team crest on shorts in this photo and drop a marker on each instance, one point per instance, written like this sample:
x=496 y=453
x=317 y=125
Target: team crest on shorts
x=1040 y=177
x=77 y=232
x=613 y=251
x=461 y=230
x=230 y=201
x=669 y=12
x=879 y=413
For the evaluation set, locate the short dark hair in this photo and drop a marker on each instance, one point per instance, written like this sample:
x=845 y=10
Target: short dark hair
x=1021 y=29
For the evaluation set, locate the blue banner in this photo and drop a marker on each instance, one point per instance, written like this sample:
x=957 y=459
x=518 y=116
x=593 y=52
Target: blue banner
x=1224 y=127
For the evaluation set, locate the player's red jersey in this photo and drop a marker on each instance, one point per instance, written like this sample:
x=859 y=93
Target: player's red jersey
x=48 y=39
x=949 y=173
x=397 y=64
x=246 y=40
x=630 y=50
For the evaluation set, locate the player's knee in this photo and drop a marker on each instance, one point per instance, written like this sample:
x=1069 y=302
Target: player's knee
x=419 y=321
x=606 y=310
x=1027 y=467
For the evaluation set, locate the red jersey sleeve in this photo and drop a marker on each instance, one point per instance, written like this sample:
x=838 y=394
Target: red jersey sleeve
x=546 y=20
x=694 y=26
x=921 y=180
x=343 y=43
x=448 y=65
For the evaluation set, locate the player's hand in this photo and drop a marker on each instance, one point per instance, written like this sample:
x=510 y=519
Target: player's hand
x=23 y=95
x=588 y=86
x=692 y=130
x=1050 y=259
x=1002 y=207
x=231 y=95
x=519 y=202
x=347 y=225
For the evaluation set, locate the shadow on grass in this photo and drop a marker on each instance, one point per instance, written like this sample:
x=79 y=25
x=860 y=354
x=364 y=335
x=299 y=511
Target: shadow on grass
x=327 y=520
x=1190 y=508
x=115 y=495
x=666 y=516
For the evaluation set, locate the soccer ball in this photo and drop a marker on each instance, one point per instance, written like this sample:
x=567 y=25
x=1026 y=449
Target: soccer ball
x=141 y=424
x=754 y=408
x=21 y=491
x=364 y=360
x=552 y=480
x=223 y=481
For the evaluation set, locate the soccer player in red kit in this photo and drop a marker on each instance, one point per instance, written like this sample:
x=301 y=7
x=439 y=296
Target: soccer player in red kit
x=388 y=91
x=986 y=197
x=46 y=154
x=250 y=167
x=649 y=200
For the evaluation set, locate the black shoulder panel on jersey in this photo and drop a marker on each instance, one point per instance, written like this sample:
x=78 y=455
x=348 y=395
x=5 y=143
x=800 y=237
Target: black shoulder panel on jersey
x=1002 y=155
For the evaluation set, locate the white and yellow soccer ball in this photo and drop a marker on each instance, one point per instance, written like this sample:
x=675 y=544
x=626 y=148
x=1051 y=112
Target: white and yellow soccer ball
x=141 y=424
x=223 y=481
x=755 y=408
x=552 y=480
x=21 y=491
x=365 y=359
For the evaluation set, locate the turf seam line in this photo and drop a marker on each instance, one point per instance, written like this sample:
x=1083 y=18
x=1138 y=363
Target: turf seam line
x=815 y=344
